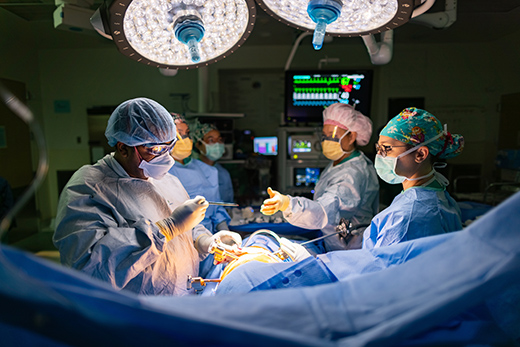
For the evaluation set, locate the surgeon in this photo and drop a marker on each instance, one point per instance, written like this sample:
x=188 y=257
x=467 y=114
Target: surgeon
x=200 y=179
x=348 y=187
x=408 y=149
x=126 y=220
x=197 y=177
x=210 y=148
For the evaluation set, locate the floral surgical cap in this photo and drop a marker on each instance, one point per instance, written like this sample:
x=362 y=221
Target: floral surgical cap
x=346 y=117
x=414 y=126
x=140 y=121
x=177 y=116
x=198 y=129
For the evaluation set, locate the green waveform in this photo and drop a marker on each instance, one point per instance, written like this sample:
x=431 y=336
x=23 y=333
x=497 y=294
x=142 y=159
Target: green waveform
x=315 y=90
x=344 y=80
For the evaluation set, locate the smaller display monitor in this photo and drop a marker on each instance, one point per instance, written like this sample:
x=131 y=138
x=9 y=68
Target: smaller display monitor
x=266 y=145
x=306 y=176
x=301 y=146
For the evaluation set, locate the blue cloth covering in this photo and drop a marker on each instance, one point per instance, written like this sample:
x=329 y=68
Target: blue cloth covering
x=460 y=288
x=225 y=185
x=279 y=228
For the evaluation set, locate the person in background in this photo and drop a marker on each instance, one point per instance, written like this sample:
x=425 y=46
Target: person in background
x=408 y=147
x=126 y=220
x=348 y=187
x=210 y=147
x=197 y=177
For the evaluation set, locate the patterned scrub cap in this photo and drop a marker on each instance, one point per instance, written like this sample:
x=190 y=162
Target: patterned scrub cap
x=198 y=129
x=414 y=126
x=178 y=116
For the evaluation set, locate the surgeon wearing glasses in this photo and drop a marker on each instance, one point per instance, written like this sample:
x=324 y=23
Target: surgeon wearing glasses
x=408 y=149
x=348 y=187
x=126 y=220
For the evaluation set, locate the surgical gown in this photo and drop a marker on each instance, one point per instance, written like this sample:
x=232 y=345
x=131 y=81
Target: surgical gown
x=348 y=190
x=199 y=178
x=225 y=184
x=106 y=228
x=416 y=212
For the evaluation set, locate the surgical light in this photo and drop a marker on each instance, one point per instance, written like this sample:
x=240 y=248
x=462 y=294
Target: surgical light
x=176 y=34
x=344 y=18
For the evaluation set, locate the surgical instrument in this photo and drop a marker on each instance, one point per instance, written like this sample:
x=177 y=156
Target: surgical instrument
x=227 y=204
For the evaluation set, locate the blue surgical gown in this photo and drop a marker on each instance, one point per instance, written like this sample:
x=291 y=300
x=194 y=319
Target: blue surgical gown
x=105 y=227
x=416 y=212
x=199 y=178
x=225 y=184
x=348 y=190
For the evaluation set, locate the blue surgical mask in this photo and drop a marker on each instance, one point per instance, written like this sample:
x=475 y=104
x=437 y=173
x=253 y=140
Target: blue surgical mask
x=158 y=167
x=215 y=151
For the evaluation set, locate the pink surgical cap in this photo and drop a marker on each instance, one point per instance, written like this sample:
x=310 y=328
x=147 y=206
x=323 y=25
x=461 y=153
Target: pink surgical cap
x=346 y=117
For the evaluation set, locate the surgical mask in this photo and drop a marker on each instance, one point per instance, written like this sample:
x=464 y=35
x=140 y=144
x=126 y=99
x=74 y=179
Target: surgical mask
x=332 y=149
x=385 y=166
x=158 y=167
x=182 y=148
x=215 y=151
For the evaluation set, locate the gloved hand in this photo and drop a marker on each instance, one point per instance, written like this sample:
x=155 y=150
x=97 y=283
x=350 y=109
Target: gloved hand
x=185 y=217
x=296 y=251
x=275 y=202
x=230 y=240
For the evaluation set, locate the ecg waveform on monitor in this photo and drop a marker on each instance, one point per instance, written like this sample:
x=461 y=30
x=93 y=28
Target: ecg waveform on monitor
x=314 y=103
x=323 y=91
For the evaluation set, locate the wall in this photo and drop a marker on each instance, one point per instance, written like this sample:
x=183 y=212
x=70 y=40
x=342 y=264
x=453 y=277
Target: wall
x=469 y=77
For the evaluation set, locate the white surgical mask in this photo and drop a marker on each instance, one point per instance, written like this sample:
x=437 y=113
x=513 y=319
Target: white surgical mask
x=215 y=151
x=385 y=166
x=158 y=167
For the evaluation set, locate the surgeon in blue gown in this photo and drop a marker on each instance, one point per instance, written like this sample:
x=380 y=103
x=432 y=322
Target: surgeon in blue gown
x=209 y=146
x=407 y=151
x=348 y=187
x=197 y=178
x=200 y=179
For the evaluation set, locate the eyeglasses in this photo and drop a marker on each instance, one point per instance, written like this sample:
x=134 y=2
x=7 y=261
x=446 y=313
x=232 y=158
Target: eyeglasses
x=212 y=141
x=335 y=137
x=182 y=137
x=329 y=138
x=383 y=150
x=159 y=148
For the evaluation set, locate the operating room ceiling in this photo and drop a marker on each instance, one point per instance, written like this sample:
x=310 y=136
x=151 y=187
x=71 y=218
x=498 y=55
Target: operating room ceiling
x=477 y=21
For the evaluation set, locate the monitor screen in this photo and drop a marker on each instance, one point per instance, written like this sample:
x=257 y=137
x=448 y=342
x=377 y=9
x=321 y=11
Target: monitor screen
x=308 y=93
x=267 y=145
x=306 y=176
x=301 y=146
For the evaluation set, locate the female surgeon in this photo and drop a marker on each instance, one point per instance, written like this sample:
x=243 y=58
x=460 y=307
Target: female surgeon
x=408 y=147
x=210 y=147
x=348 y=187
x=197 y=178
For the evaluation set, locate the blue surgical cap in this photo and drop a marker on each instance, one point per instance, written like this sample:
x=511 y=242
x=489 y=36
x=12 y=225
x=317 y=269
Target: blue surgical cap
x=140 y=121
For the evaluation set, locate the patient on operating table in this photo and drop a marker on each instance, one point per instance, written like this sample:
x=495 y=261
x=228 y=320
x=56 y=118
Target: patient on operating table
x=263 y=246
